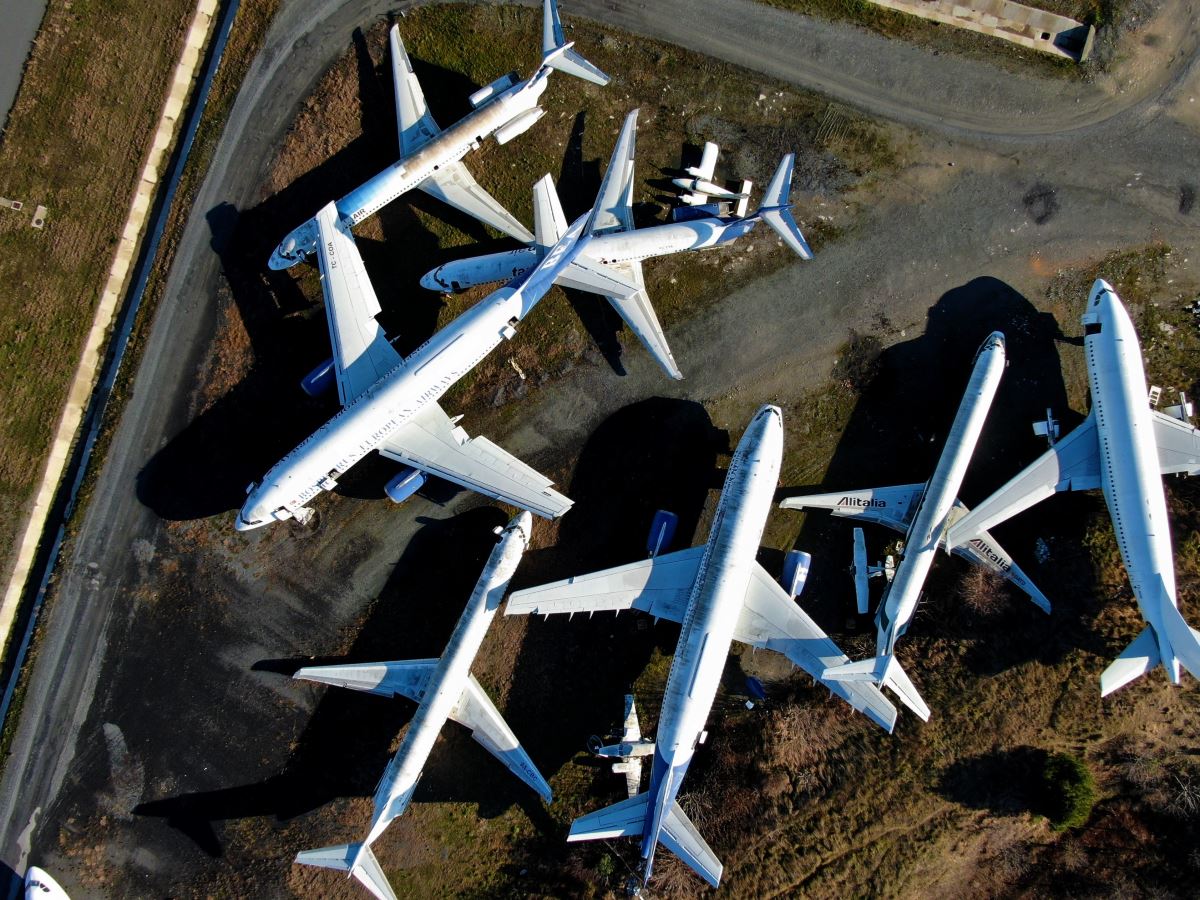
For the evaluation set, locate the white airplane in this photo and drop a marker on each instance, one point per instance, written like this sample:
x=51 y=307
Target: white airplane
x=40 y=886
x=719 y=593
x=445 y=689
x=611 y=250
x=922 y=512
x=700 y=188
x=1123 y=447
x=429 y=157
x=629 y=750
x=863 y=572
x=390 y=403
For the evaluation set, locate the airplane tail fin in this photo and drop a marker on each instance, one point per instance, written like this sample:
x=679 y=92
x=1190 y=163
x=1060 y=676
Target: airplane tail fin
x=883 y=670
x=557 y=52
x=355 y=859
x=1177 y=645
x=677 y=834
x=776 y=210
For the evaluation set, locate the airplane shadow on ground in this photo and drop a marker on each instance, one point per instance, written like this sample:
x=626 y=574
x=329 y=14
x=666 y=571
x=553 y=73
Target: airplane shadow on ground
x=236 y=437
x=1005 y=782
x=909 y=395
x=347 y=741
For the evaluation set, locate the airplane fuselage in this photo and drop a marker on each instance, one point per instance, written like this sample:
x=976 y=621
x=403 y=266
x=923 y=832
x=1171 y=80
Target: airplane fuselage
x=615 y=247
x=713 y=609
x=929 y=524
x=449 y=678
x=1129 y=466
x=402 y=176
x=367 y=421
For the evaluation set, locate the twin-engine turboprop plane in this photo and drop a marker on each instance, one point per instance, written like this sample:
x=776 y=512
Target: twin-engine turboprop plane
x=1123 y=447
x=390 y=403
x=611 y=250
x=445 y=689
x=922 y=513
x=429 y=157
x=719 y=593
x=699 y=189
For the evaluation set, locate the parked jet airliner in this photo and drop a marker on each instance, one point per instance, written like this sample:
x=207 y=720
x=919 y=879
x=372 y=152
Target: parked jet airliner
x=1123 y=447
x=719 y=593
x=429 y=157
x=390 y=403
x=613 y=247
x=921 y=512
x=445 y=689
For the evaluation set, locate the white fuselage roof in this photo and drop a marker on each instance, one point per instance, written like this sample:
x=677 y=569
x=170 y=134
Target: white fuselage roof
x=1129 y=466
x=715 y=604
x=928 y=528
x=449 y=679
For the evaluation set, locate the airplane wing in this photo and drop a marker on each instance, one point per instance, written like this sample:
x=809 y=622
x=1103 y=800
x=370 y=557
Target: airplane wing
x=361 y=352
x=894 y=507
x=476 y=711
x=614 y=203
x=1178 y=445
x=407 y=677
x=432 y=443
x=454 y=186
x=633 y=731
x=659 y=586
x=1073 y=464
x=771 y=619
x=983 y=550
x=413 y=119
x=549 y=222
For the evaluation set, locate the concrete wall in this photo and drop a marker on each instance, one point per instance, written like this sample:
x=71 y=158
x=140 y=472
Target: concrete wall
x=1024 y=25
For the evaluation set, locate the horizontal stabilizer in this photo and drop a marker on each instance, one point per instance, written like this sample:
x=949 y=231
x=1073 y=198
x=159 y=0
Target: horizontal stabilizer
x=884 y=670
x=1135 y=661
x=624 y=819
x=680 y=836
x=1185 y=642
x=863 y=670
x=386 y=679
x=557 y=53
x=341 y=857
x=776 y=209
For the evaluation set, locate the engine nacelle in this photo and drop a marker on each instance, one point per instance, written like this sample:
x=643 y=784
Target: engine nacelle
x=519 y=125
x=662 y=529
x=320 y=380
x=493 y=90
x=795 y=571
x=406 y=483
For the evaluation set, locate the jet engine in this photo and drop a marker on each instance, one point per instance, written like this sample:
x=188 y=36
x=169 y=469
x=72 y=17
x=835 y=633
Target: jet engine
x=519 y=125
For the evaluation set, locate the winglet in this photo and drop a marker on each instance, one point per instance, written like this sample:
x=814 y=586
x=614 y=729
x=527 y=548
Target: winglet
x=557 y=52
x=358 y=860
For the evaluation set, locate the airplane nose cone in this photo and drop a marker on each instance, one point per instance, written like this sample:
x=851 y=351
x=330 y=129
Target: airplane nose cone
x=1100 y=287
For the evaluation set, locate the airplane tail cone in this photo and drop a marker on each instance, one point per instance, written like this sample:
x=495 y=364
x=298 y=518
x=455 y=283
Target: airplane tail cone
x=775 y=208
x=557 y=52
x=356 y=859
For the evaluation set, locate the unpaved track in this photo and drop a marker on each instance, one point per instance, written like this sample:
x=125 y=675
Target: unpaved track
x=937 y=228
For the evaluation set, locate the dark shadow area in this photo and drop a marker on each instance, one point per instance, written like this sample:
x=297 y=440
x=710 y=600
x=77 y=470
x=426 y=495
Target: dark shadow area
x=1003 y=782
x=909 y=394
x=345 y=746
x=12 y=885
x=260 y=416
x=655 y=454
